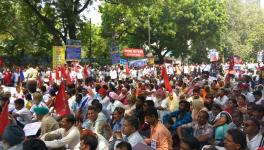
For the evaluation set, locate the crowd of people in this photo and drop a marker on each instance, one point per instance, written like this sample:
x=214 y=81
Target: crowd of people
x=119 y=108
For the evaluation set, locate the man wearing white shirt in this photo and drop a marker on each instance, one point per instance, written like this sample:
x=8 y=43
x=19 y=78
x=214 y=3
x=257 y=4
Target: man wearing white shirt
x=254 y=137
x=70 y=134
x=114 y=102
x=221 y=99
x=21 y=113
x=37 y=101
x=113 y=74
x=130 y=132
x=94 y=122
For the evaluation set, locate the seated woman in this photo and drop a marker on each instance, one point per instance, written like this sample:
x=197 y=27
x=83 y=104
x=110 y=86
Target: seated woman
x=220 y=123
x=183 y=116
x=235 y=139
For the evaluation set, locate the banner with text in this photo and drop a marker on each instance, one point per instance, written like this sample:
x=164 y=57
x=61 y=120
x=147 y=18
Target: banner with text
x=133 y=52
x=58 y=55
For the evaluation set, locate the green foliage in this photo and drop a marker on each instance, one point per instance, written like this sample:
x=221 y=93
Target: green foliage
x=173 y=24
x=99 y=45
x=242 y=29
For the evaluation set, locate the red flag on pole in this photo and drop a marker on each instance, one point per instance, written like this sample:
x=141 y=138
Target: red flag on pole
x=85 y=71
x=127 y=69
x=61 y=103
x=4 y=121
x=57 y=75
x=69 y=81
x=63 y=72
x=166 y=80
x=50 y=79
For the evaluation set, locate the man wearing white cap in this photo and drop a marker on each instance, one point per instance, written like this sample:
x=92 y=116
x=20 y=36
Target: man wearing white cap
x=114 y=102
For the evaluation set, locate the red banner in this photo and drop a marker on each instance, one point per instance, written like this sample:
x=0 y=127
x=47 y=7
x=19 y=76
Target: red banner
x=133 y=52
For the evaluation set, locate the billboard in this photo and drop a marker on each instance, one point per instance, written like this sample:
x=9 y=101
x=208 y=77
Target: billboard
x=133 y=52
x=115 y=58
x=73 y=53
x=58 y=55
x=73 y=50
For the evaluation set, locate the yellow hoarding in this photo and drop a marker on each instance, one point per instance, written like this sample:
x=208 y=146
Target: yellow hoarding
x=58 y=55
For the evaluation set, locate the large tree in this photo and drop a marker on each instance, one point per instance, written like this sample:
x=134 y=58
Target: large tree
x=243 y=27
x=179 y=26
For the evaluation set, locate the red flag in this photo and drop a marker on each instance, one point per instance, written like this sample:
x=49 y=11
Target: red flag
x=57 y=75
x=69 y=81
x=85 y=71
x=4 y=121
x=63 y=73
x=61 y=103
x=166 y=80
x=50 y=79
x=127 y=69
x=39 y=81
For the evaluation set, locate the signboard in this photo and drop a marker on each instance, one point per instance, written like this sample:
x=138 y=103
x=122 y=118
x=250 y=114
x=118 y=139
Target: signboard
x=260 y=56
x=133 y=52
x=123 y=61
x=58 y=55
x=73 y=53
x=115 y=58
x=73 y=50
x=73 y=42
x=138 y=63
x=214 y=55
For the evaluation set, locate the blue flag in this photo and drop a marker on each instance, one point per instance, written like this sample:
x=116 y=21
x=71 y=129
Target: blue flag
x=22 y=78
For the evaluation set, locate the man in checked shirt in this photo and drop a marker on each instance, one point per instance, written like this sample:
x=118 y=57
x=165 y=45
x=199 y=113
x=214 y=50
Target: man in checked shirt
x=201 y=129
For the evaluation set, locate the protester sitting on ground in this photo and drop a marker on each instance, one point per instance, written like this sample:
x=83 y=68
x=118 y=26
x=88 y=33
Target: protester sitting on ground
x=70 y=135
x=221 y=99
x=144 y=128
x=200 y=129
x=103 y=143
x=160 y=135
x=48 y=123
x=21 y=113
x=117 y=122
x=235 y=139
x=258 y=113
x=183 y=116
x=242 y=103
x=173 y=102
x=196 y=102
x=253 y=134
x=88 y=142
x=258 y=97
x=34 y=144
x=237 y=120
x=123 y=146
x=189 y=143
x=114 y=102
x=220 y=123
x=231 y=105
x=130 y=132
x=37 y=101
x=93 y=121
x=13 y=138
